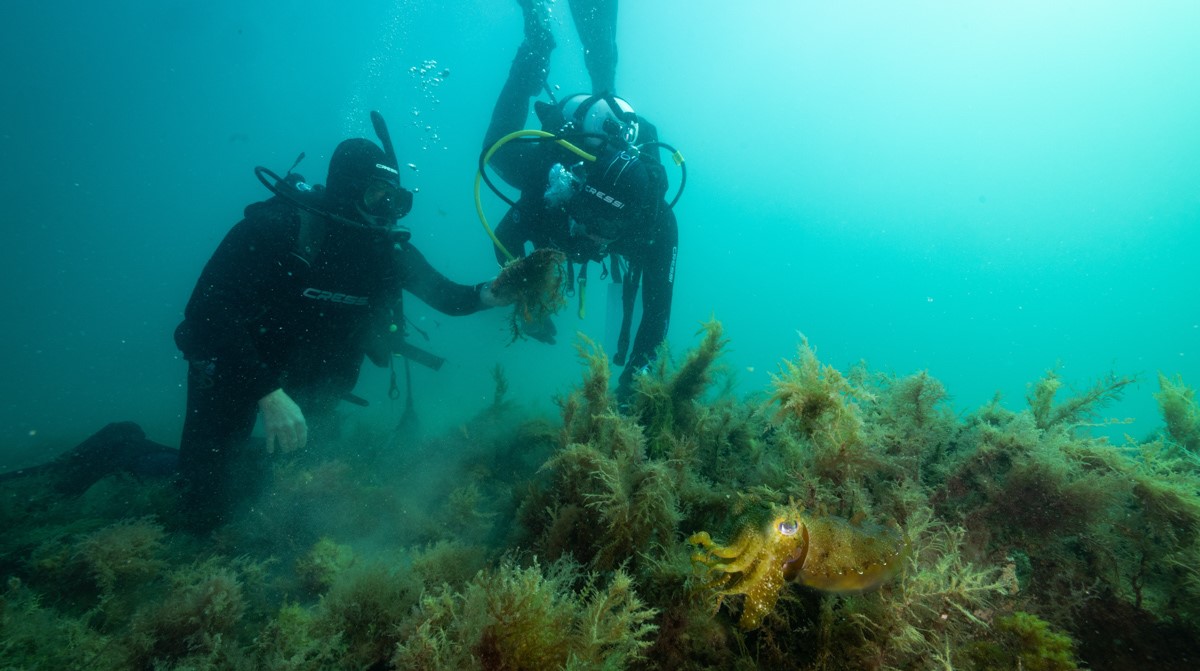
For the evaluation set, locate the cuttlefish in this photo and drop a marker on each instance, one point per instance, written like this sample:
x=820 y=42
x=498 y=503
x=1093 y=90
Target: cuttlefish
x=827 y=553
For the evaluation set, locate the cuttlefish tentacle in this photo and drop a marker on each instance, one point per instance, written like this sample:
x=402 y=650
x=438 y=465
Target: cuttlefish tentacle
x=744 y=540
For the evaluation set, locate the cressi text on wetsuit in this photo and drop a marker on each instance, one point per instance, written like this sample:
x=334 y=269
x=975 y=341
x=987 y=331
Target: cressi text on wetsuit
x=289 y=300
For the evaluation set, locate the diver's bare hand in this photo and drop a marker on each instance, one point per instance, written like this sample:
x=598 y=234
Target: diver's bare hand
x=283 y=421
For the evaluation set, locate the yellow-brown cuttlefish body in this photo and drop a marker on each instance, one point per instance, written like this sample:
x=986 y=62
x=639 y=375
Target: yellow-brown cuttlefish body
x=827 y=553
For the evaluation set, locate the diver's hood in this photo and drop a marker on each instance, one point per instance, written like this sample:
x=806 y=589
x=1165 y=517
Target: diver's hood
x=362 y=189
x=354 y=164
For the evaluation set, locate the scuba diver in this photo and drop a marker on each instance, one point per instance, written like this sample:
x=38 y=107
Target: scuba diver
x=591 y=183
x=283 y=313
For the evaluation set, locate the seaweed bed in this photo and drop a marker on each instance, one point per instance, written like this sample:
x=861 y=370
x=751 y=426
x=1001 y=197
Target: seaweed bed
x=556 y=544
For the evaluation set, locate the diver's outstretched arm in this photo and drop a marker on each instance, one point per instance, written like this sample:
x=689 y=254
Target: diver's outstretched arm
x=596 y=23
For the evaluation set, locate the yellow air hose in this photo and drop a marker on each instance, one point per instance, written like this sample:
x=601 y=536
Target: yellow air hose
x=488 y=157
x=479 y=180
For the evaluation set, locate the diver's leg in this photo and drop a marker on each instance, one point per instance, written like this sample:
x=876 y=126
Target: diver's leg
x=216 y=429
x=536 y=15
x=658 y=288
x=526 y=76
x=596 y=23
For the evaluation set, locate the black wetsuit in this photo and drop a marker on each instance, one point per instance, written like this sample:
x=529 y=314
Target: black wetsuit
x=651 y=250
x=289 y=300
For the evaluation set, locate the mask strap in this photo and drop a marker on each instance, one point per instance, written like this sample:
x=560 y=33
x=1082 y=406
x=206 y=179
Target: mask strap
x=584 y=108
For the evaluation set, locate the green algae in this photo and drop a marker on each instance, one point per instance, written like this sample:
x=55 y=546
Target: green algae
x=560 y=544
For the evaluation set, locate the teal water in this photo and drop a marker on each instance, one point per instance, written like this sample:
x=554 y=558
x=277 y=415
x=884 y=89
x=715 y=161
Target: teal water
x=981 y=190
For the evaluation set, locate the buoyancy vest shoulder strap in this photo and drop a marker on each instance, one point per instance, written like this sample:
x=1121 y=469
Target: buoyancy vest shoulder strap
x=309 y=237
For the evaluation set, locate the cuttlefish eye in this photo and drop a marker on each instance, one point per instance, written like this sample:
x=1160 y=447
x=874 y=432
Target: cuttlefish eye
x=789 y=527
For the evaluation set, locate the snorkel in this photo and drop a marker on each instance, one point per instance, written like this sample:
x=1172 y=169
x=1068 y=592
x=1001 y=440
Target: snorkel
x=385 y=138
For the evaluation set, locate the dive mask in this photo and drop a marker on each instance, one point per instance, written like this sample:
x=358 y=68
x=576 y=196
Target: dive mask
x=385 y=201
